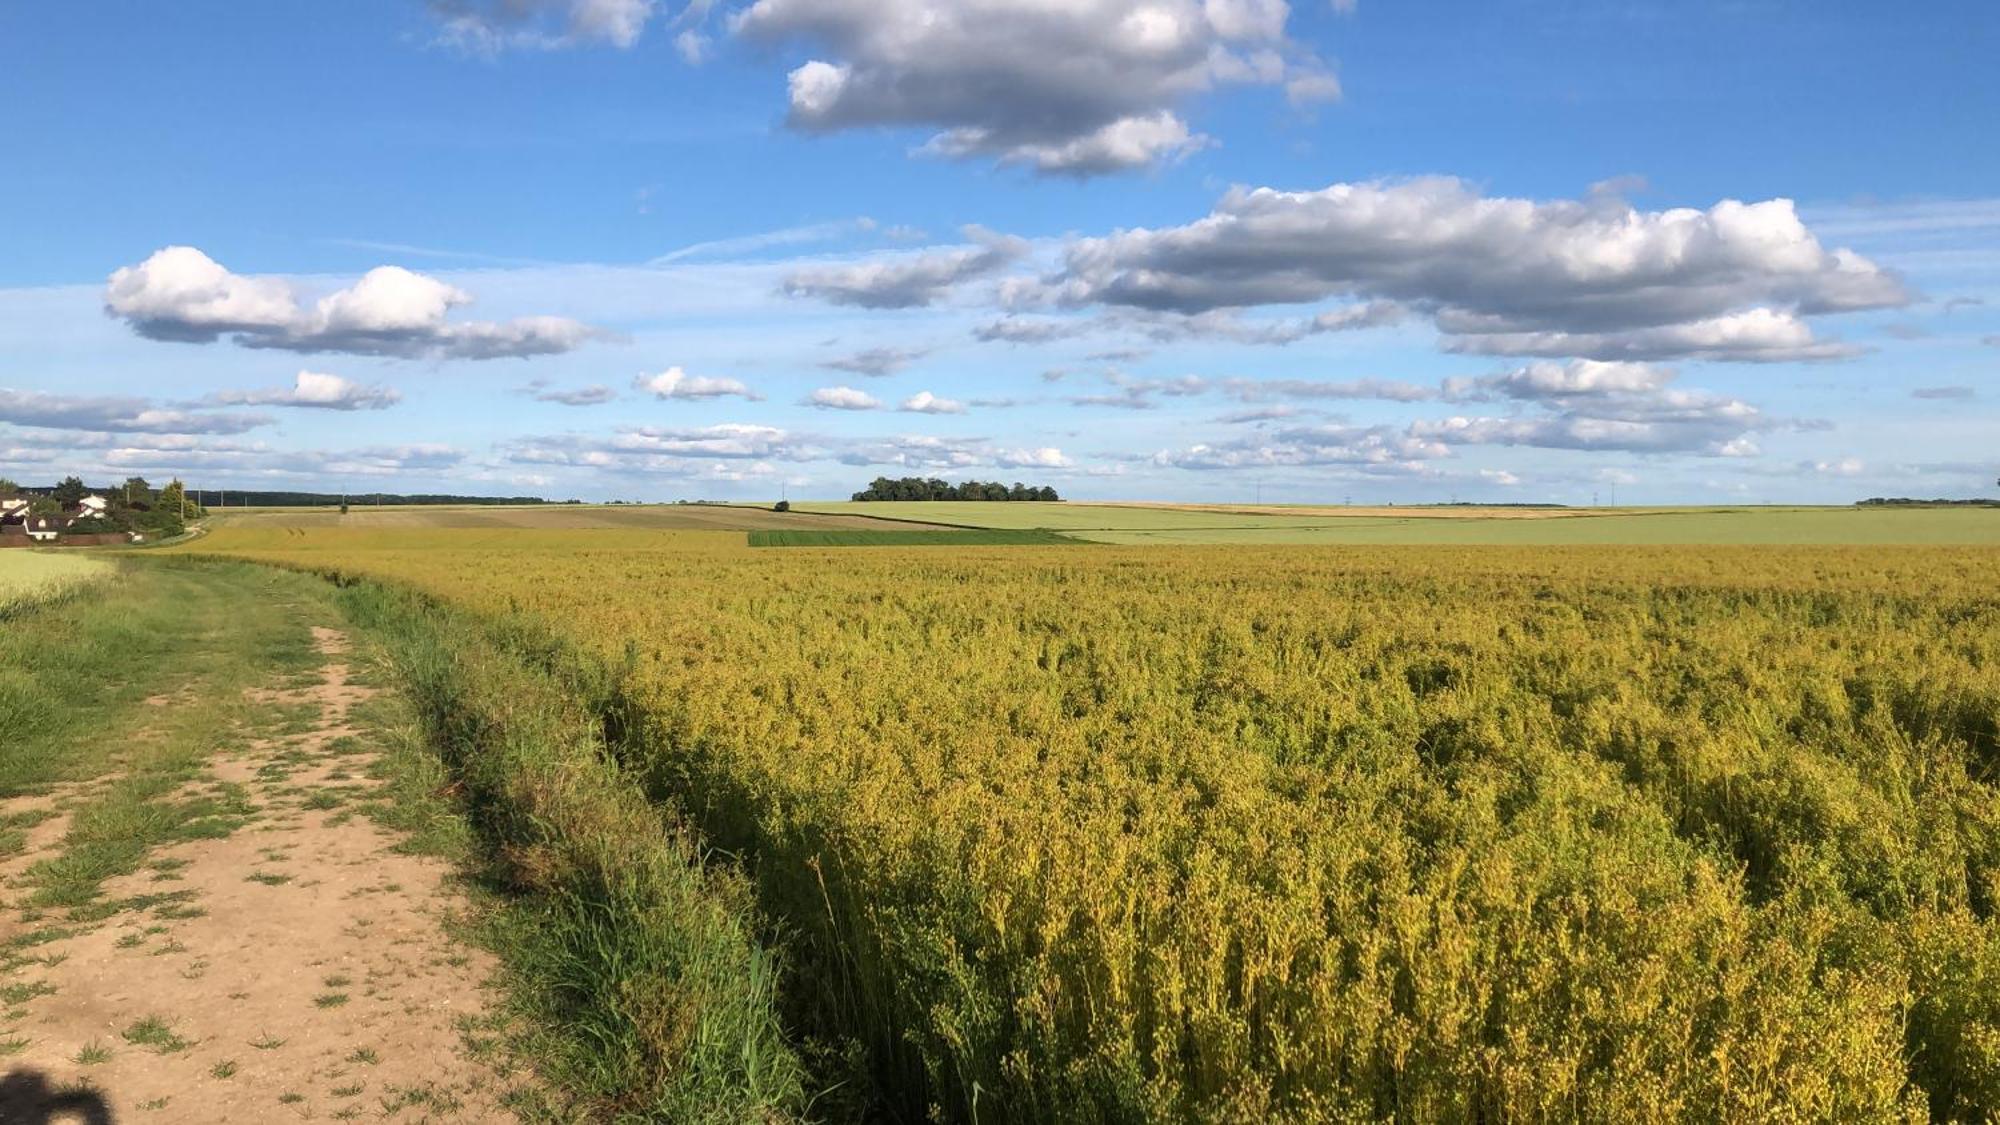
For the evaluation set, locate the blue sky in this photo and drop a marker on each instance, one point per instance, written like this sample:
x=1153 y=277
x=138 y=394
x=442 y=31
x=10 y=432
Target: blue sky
x=1181 y=249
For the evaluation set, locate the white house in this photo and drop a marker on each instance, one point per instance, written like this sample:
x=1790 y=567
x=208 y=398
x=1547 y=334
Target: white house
x=91 y=507
x=13 y=509
x=45 y=529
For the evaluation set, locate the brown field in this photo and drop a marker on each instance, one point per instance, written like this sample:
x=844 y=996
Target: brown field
x=557 y=517
x=1364 y=512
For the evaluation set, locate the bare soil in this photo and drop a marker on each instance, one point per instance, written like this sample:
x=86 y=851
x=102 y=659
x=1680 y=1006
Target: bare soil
x=299 y=968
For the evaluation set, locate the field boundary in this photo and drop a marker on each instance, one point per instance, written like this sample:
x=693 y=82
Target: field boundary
x=956 y=537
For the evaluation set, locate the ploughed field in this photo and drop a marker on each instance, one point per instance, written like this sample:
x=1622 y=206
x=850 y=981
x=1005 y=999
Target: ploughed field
x=1318 y=833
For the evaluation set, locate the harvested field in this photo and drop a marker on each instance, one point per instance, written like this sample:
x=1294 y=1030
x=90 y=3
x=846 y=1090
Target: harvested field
x=552 y=517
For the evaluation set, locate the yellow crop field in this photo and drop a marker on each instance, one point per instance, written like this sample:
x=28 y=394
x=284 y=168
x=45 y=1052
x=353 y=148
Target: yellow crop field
x=1322 y=833
x=27 y=577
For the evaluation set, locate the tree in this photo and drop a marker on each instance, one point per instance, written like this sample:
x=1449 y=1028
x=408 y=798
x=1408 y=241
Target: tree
x=71 y=490
x=137 y=493
x=45 y=506
x=782 y=506
x=173 y=499
x=9 y=488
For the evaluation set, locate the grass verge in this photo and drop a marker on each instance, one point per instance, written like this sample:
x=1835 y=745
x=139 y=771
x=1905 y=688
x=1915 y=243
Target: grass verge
x=635 y=958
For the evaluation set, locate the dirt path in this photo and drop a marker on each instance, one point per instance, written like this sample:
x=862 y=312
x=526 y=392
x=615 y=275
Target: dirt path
x=297 y=968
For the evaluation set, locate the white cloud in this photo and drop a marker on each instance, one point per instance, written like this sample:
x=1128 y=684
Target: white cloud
x=1373 y=449
x=594 y=395
x=843 y=398
x=1389 y=390
x=1593 y=277
x=1546 y=381
x=1751 y=336
x=924 y=402
x=1047 y=457
x=677 y=383
x=877 y=361
x=1064 y=88
x=314 y=390
x=181 y=294
x=487 y=26
x=1130 y=142
x=1142 y=394
x=904 y=281
x=213 y=456
x=122 y=414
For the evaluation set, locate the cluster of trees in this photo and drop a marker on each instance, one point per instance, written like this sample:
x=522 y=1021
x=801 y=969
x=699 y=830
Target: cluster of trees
x=1912 y=502
x=132 y=506
x=920 y=488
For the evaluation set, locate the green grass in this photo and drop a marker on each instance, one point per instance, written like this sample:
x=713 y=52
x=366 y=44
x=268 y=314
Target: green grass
x=982 y=537
x=72 y=692
x=156 y=1033
x=635 y=962
x=195 y=636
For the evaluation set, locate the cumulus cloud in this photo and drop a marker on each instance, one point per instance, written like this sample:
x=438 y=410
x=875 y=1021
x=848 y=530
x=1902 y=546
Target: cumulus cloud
x=1545 y=381
x=1752 y=336
x=1046 y=457
x=487 y=26
x=314 y=390
x=677 y=383
x=121 y=414
x=181 y=294
x=1590 y=277
x=924 y=402
x=1594 y=405
x=842 y=398
x=877 y=361
x=906 y=281
x=1062 y=88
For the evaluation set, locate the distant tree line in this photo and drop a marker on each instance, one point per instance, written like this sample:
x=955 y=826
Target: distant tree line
x=328 y=499
x=1910 y=502
x=920 y=488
